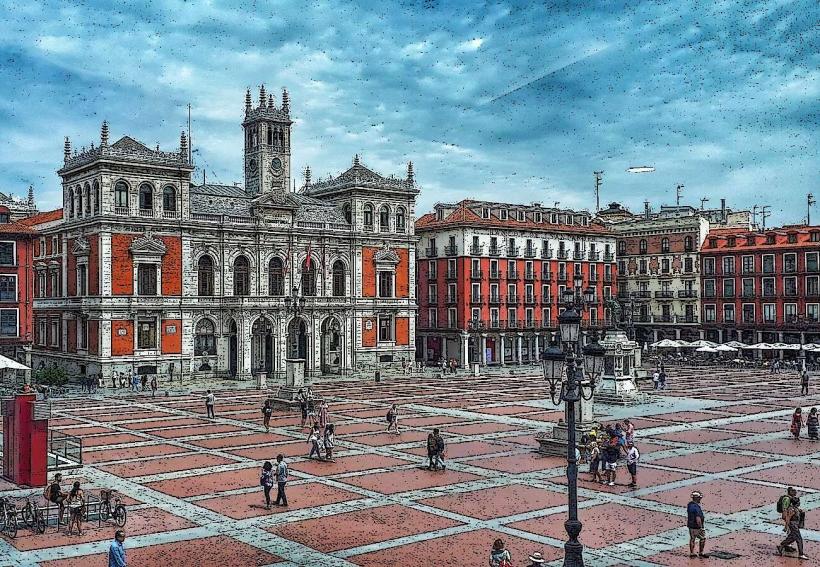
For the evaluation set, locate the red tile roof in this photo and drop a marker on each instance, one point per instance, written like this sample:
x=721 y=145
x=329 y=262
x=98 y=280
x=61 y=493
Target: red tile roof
x=15 y=228
x=42 y=218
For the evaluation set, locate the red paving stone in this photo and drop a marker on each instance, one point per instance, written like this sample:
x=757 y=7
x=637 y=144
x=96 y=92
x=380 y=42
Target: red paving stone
x=352 y=463
x=188 y=461
x=491 y=503
x=480 y=428
x=503 y=410
x=432 y=421
x=802 y=475
x=470 y=548
x=352 y=428
x=239 y=440
x=605 y=524
x=157 y=423
x=690 y=416
x=745 y=409
x=382 y=439
x=252 y=504
x=647 y=477
x=117 y=439
x=83 y=431
x=362 y=527
x=269 y=452
x=131 y=453
x=544 y=416
x=710 y=461
x=406 y=480
x=755 y=427
x=219 y=551
x=197 y=485
x=466 y=449
x=519 y=463
x=725 y=496
x=752 y=548
x=784 y=447
x=178 y=433
x=698 y=436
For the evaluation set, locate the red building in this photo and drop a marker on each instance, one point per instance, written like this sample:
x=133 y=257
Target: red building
x=16 y=287
x=490 y=276
x=762 y=286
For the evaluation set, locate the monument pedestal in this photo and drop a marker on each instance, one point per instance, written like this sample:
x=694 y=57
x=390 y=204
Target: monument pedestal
x=555 y=442
x=262 y=381
x=294 y=381
x=619 y=391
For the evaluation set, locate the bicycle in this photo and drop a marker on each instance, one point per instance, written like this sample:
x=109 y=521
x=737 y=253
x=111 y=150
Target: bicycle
x=107 y=510
x=8 y=515
x=33 y=517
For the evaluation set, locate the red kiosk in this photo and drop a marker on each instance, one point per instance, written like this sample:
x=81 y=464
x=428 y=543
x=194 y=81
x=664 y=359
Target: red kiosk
x=25 y=441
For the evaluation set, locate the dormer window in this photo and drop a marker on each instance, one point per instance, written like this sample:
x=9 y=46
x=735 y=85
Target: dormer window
x=792 y=238
x=503 y=214
x=4 y=217
x=485 y=213
x=522 y=216
x=440 y=214
x=538 y=217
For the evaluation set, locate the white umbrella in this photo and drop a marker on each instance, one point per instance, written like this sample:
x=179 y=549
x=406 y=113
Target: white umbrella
x=701 y=343
x=6 y=362
x=706 y=349
x=736 y=344
x=760 y=346
x=784 y=346
x=725 y=348
x=665 y=343
x=812 y=347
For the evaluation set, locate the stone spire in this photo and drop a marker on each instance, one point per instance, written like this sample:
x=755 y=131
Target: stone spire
x=67 y=149
x=263 y=98
x=307 y=176
x=183 y=145
x=247 y=101
x=355 y=160
x=270 y=101
x=30 y=196
x=285 y=101
x=411 y=176
x=104 y=134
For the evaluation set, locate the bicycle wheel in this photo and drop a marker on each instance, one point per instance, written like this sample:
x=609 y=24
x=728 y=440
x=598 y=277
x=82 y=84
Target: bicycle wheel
x=39 y=521
x=27 y=515
x=11 y=525
x=120 y=515
x=105 y=511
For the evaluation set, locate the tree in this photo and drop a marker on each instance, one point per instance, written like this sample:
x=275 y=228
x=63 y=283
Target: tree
x=51 y=376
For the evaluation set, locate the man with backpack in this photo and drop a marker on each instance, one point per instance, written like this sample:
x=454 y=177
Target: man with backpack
x=438 y=451
x=783 y=504
x=393 y=419
x=794 y=519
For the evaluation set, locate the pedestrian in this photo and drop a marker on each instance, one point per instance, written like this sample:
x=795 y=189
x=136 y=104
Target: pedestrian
x=662 y=380
x=322 y=414
x=281 y=480
x=154 y=386
x=209 y=404
x=499 y=556
x=135 y=382
x=266 y=480
x=594 y=452
x=783 y=504
x=330 y=441
x=813 y=424
x=431 y=450
x=629 y=430
x=122 y=380
x=611 y=452
x=632 y=458
x=116 y=552
x=804 y=382
x=311 y=409
x=794 y=518
x=313 y=441
x=267 y=411
x=114 y=376
x=54 y=494
x=302 y=397
x=393 y=419
x=695 y=523
x=144 y=381
x=797 y=423
x=656 y=378
x=76 y=502
x=438 y=454
x=536 y=560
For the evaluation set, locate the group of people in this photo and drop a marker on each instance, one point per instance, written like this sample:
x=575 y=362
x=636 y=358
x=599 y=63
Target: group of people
x=277 y=474
x=659 y=378
x=811 y=422
x=501 y=557
x=136 y=382
x=74 y=500
x=604 y=446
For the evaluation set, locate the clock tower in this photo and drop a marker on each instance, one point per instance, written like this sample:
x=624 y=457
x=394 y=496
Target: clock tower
x=267 y=144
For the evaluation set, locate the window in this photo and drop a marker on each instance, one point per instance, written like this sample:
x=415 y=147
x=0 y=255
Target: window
x=485 y=213
x=276 y=277
x=146 y=333
x=385 y=284
x=642 y=246
x=79 y=201
x=241 y=276
x=96 y=189
x=205 y=275
x=790 y=286
x=121 y=195
x=82 y=333
x=642 y=267
x=728 y=313
x=82 y=279
x=385 y=328
x=538 y=217
x=169 y=199
x=770 y=239
x=8 y=323
x=7 y=253
x=87 y=193
x=401 y=220
x=146 y=197
x=789 y=312
x=70 y=203
x=709 y=313
x=748 y=287
x=688 y=244
x=812 y=260
x=748 y=264
x=729 y=288
x=769 y=288
x=731 y=241
x=665 y=269
x=709 y=266
x=432 y=317
x=8 y=288
x=5 y=217
x=432 y=269
x=146 y=279
x=769 y=313
x=503 y=215
x=688 y=265
x=368 y=216
x=452 y=318
x=790 y=263
x=813 y=311
x=205 y=340
x=791 y=238
x=338 y=279
x=309 y=277
x=812 y=286
x=42 y=332
x=814 y=236
x=346 y=211
x=664 y=244
x=56 y=287
x=432 y=294
x=384 y=219
x=621 y=247
x=729 y=265
x=54 y=332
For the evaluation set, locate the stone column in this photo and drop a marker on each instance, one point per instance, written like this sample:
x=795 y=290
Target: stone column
x=677 y=334
x=424 y=348
x=537 y=347
x=802 y=338
x=654 y=335
x=465 y=350
x=519 y=341
x=503 y=346
x=720 y=335
x=702 y=334
x=483 y=356
x=444 y=347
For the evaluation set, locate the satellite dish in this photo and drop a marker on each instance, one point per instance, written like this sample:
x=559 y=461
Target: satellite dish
x=641 y=169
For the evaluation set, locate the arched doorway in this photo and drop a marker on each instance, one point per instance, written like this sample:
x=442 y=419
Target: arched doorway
x=297 y=339
x=262 y=345
x=232 y=349
x=331 y=346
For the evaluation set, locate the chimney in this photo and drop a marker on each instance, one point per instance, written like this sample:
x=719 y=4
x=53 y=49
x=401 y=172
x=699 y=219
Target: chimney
x=723 y=210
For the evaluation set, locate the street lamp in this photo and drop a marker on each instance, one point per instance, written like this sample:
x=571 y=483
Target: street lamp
x=294 y=302
x=576 y=362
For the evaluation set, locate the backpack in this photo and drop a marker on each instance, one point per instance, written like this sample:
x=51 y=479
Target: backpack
x=781 y=504
x=390 y=416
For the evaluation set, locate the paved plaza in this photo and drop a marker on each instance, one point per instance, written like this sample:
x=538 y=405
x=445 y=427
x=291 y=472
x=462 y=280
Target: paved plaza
x=192 y=484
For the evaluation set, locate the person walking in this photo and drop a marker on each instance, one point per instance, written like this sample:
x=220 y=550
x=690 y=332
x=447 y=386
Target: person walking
x=135 y=382
x=116 y=551
x=438 y=452
x=783 y=504
x=76 y=502
x=794 y=518
x=797 y=423
x=267 y=411
x=303 y=406
x=266 y=480
x=114 y=376
x=812 y=424
x=656 y=378
x=281 y=480
x=594 y=456
x=154 y=386
x=393 y=419
x=804 y=382
x=662 y=379
x=144 y=381
x=632 y=458
x=695 y=523
x=322 y=414
x=499 y=556
x=611 y=452
x=313 y=441
x=209 y=404
x=54 y=494
x=431 y=450
x=123 y=380
x=629 y=431
x=330 y=441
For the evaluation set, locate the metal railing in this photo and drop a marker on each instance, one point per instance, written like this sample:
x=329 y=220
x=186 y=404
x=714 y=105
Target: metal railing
x=64 y=451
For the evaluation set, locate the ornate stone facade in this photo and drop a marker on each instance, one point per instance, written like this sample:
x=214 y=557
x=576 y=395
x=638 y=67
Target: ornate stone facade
x=156 y=274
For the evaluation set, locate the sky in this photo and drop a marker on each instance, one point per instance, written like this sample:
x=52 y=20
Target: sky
x=507 y=101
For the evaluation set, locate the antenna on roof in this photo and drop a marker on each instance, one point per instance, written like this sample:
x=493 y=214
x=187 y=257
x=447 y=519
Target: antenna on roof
x=190 y=140
x=764 y=213
x=598 y=176
x=702 y=201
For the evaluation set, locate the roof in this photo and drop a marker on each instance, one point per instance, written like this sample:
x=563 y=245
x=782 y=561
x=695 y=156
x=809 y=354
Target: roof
x=360 y=175
x=463 y=215
x=43 y=218
x=16 y=228
x=128 y=143
x=216 y=190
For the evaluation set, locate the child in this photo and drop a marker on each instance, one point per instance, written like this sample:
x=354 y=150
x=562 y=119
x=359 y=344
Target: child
x=313 y=439
x=330 y=441
x=595 y=461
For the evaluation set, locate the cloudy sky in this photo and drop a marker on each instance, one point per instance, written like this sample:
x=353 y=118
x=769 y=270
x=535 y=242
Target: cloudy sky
x=508 y=101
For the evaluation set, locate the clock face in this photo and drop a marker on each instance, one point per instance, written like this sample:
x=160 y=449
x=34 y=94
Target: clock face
x=276 y=164
x=252 y=165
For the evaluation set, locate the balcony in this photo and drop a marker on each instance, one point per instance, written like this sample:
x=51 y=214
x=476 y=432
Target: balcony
x=662 y=318
x=665 y=294
x=686 y=318
x=476 y=274
x=451 y=274
x=495 y=274
x=512 y=298
x=475 y=298
x=495 y=299
x=546 y=253
x=562 y=276
x=594 y=255
x=512 y=324
x=431 y=252
x=688 y=294
x=609 y=257
x=666 y=274
x=546 y=276
x=563 y=254
x=512 y=274
x=452 y=299
x=530 y=276
x=643 y=274
x=529 y=252
x=643 y=294
x=495 y=251
x=607 y=278
x=622 y=294
x=451 y=250
x=124 y=211
x=529 y=299
x=477 y=250
x=513 y=251
x=170 y=215
x=577 y=254
x=146 y=212
x=642 y=319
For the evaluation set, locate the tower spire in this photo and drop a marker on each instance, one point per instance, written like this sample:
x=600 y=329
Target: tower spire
x=411 y=176
x=31 y=196
x=104 y=134
x=247 y=101
x=183 y=145
x=270 y=101
x=355 y=160
x=285 y=101
x=307 y=176
x=263 y=98
x=67 y=149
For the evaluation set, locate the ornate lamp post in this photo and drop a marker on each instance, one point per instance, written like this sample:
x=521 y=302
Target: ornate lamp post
x=577 y=362
x=295 y=303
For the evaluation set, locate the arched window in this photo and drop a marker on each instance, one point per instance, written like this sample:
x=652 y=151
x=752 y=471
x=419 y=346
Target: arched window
x=338 y=278
x=79 y=201
x=96 y=197
x=169 y=199
x=121 y=195
x=401 y=220
x=276 y=277
x=87 y=196
x=205 y=275
x=642 y=246
x=368 y=216
x=205 y=340
x=664 y=244
x=687 y=244
x=347 y=213
x=70 y=203
x=270 y=136
x=309 y=277
x=241 y=276
x=384 y=219
x=146 y=197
